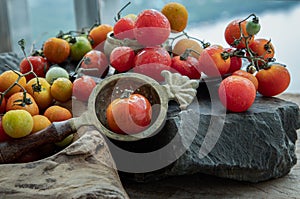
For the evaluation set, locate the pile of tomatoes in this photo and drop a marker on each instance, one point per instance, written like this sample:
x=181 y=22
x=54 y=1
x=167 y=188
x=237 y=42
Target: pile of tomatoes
x=152 y=29
x=249 y=57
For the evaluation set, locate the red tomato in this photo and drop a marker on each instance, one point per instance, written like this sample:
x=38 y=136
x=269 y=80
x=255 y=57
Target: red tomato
x=83 y=87
x=124 y=28
x=212 y=62
x=96 y=64
x=273 y=81
x=39 y=65
x=237 y=93
x=262 y=48
x=129 y=115
x=189 y=67
x=233 y=34
x=122 y=58
x=247 y=75
x=151 y=61
x=235 y=62
x=152 y=28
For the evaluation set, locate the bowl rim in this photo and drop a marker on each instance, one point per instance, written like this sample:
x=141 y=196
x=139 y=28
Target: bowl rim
x=154 y=128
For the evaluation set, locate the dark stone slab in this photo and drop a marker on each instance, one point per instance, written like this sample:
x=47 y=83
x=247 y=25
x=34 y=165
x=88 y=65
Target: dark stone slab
x=253 y=146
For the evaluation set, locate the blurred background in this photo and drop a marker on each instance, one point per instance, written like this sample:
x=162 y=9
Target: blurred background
x=37 y=20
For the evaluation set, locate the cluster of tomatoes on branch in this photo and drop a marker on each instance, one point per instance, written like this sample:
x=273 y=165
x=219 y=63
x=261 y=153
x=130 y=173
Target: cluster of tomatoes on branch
x=268 y=77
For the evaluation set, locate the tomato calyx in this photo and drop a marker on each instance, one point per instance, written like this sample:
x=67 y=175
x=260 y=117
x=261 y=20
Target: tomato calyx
x=225 y=55
x=251 y=69
x=37 y=87
x=268 y=47
x=24 y=101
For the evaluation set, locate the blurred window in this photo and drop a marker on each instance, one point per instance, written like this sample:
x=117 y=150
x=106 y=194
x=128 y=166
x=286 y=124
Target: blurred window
x=37 y=20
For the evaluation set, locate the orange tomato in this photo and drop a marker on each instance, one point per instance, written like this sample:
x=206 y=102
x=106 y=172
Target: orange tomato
x=247 y=75
x=57 y=113
x=262 y=48
x=129 y=115
x=56 y=50
x=233 y=34
x=213 y=61
x=43 y=98
x=177 y=15
x=7 y=79
x=237 y=93
x=273 y=81
x=98 y=35
x=15 y=102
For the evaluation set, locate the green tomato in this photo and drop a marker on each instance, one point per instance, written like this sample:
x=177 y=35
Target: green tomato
x=55 y=72
x=80 y=47
x=252 y=27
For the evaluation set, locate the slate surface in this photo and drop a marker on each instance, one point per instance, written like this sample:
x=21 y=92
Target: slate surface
x=253 y=146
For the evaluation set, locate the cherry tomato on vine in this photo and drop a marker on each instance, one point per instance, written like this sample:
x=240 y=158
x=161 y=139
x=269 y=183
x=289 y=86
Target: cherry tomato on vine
x=40 y=66
x=214 y=61
x=233 y=35
x=122 y=58
x=235 y=61
x=129 y=115
x=80 y=47
x=56 y=50
x=187 y=66
x=262 y=48
x=273 y=80
x=237 y=93
x=253 y=27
